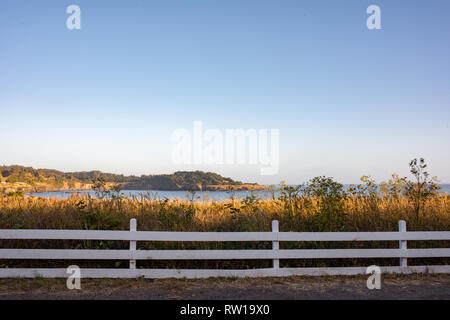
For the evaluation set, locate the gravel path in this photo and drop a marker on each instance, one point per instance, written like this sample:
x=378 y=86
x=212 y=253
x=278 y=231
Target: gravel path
x=297 y=288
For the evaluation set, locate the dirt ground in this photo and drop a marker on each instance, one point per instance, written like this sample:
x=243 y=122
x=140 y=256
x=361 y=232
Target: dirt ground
x=292 y=288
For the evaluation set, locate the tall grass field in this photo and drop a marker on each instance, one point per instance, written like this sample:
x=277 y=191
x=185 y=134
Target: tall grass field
x=320 y=206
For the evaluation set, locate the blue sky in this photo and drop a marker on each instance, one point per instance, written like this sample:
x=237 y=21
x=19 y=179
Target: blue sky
x=348 y=101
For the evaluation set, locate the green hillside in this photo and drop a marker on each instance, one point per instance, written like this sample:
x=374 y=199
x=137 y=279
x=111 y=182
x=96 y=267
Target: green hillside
x=54 y=179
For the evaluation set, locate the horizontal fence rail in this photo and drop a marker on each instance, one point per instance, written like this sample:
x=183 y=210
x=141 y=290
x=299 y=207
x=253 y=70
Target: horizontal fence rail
x=219 y=254
x=275 y=254
x=219 y=236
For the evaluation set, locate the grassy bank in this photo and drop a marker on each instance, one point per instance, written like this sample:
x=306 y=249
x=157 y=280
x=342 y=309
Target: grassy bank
x=297 y=213
x=320 y=205
x=302 y=214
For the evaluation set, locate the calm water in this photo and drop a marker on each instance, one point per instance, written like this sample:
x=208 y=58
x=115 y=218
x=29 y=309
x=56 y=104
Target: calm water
x=159 y=194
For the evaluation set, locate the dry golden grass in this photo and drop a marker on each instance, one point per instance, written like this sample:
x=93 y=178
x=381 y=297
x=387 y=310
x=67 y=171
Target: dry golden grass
x=302 y=214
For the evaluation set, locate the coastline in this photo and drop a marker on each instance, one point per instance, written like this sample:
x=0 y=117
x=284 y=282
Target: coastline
x=28 y=189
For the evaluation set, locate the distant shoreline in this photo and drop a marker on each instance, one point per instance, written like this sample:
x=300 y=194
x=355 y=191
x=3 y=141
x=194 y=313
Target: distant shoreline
x=445 y=190
x=206 y=189
x=221 y=188
x=27 y=179
x=204 y=195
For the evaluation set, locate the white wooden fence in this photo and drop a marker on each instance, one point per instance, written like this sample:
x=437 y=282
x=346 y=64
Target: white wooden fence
x=275 y=254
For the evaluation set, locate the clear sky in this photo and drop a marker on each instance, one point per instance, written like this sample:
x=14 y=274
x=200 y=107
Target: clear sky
x=347 y=100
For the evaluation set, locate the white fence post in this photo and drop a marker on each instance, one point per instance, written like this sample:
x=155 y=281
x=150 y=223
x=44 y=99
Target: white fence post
x=402 y=243
x=275 y=244
x=133 y=228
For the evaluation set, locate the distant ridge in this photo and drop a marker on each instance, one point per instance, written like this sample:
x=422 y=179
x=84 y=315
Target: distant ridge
x=28 y=179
